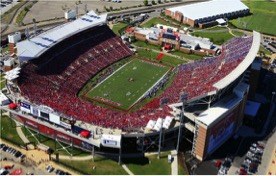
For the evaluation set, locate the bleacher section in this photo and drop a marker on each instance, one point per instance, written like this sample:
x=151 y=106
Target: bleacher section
x=198 y=78
x=56 y=82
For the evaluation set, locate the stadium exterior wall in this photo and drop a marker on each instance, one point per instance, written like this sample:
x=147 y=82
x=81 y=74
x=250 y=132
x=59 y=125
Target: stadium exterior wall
x=208 y=138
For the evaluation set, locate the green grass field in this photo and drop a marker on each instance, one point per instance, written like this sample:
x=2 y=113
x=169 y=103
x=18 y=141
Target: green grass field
x=8 y=130
x=117 y=27
x=154 y=21
x=216 y=36
x=51 y=143
x=103 y=166
x=149 y=165
x=262 y=19
x=168 y=60
x=124 y=88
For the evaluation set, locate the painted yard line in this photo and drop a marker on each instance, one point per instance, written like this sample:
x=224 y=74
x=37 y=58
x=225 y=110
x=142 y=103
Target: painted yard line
x=110 y=75
x=150 y=88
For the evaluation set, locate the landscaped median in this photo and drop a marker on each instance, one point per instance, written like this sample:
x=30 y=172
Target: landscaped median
x=23 y=12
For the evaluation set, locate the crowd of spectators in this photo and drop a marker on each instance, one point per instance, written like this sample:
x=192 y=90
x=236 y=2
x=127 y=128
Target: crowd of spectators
x=55 y=80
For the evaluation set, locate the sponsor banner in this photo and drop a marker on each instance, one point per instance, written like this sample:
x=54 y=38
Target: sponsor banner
x=25 y=107
x=63 y=137
x=34 y=111
x=113 y=141
x=46 y=130
x=86 y=145
x=55 y=119
x=77 y=142
x=221 y=132
x=31 y=124
x=66 y=125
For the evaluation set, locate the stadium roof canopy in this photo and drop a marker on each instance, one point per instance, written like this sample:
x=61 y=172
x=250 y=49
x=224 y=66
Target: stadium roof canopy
x=210 y=8
x=34 y=47
x=247 y=61
x=213 y=113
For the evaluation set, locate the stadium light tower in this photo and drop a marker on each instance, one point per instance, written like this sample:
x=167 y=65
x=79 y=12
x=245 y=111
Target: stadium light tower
x=183 y=98
x=160 y=139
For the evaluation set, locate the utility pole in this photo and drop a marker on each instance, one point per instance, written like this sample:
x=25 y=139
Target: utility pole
x=120 y=152
x=93 y=153
x=160 y=139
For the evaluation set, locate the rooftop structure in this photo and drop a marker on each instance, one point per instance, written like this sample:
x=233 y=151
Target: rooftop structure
x=204 y=12
x=34 y=47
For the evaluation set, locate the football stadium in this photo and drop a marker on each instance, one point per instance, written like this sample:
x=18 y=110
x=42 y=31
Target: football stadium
x=80 y=84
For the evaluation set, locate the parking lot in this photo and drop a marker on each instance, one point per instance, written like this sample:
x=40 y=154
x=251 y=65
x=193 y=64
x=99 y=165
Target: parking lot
x=269 y=43
x=44 y=10
x=15 y=160
x=6 y=5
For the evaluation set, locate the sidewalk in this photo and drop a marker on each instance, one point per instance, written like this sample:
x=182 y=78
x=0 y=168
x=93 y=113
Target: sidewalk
x=174 y=165
x=20 y=133
x=267 y=156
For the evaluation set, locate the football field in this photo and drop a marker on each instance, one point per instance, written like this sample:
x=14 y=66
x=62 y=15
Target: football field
x=128 y=84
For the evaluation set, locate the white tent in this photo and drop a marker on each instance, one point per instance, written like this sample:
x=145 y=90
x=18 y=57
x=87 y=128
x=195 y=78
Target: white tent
x=4 y=100
x=158 y=124
x=151 y=124
x=167 y=122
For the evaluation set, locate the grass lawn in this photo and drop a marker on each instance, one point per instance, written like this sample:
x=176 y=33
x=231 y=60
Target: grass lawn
x=146 y=45
x=2 y=84
x=181 y=170
x=187 y=56
x=178 y=53
x=168 y=60
x=103 y=166
x=216 y=37
x=117 y=27
x=128 y=84
x=154 y=21
x=262 y=19
x=8 y=131
x=149 y=165
x=51 y=143
x=264 y=50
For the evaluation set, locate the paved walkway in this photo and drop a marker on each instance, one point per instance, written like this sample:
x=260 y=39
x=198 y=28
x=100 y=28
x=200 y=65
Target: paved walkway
x=127 y=169
x=268 y=153
x=174 y=165
x=20 y=133
x=272 y=165
x=39 y=159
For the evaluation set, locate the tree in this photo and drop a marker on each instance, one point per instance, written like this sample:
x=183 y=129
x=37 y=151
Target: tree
x=146 y=2
x=153 y=2
x=111 y=8
x=159 y=1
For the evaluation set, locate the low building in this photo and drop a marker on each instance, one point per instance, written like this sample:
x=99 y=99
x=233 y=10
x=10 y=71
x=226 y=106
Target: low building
x=205 y=14
x=172 y=38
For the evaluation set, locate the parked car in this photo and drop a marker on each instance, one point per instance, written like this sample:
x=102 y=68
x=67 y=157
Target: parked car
x=5 y=148
x=49 y=168
x=2 y=146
